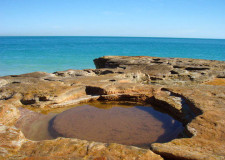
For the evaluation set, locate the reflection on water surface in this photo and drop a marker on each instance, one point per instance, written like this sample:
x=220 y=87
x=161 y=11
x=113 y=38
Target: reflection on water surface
x=125 y=124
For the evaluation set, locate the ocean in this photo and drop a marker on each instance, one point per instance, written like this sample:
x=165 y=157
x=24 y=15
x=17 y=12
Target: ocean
x=20 y=55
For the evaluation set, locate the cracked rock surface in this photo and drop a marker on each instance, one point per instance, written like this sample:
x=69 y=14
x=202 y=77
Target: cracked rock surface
x=192 y=90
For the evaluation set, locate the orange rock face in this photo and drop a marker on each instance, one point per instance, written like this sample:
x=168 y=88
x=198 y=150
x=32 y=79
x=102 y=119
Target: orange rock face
x=217 y=82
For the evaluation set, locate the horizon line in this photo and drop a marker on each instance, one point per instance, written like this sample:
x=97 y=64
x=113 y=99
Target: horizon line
x=107 y=36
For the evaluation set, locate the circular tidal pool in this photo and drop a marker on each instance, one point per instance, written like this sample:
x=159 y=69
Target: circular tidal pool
x=110 y=123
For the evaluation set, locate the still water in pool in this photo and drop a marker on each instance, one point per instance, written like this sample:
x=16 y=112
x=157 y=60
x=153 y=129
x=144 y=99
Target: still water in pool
x=124 y=124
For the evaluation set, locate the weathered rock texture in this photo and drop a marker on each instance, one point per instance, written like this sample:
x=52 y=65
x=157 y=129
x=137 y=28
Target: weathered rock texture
x=191 y=90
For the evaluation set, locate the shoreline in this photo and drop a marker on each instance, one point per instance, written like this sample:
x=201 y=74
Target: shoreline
x=111 y=56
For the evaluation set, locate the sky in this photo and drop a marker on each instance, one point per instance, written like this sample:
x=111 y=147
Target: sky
x=135 y=18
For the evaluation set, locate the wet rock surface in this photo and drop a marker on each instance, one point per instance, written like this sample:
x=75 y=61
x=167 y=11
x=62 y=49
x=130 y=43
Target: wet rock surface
x=191 y=90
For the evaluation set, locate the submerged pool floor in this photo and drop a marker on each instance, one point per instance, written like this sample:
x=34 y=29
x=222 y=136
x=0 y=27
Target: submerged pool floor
x=124 y=124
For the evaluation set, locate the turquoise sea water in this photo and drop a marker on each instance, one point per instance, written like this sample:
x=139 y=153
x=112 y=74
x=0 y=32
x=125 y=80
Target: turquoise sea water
x=28 y=54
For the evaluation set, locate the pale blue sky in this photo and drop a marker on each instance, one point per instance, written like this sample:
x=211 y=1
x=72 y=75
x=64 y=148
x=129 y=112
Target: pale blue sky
x=148 y=18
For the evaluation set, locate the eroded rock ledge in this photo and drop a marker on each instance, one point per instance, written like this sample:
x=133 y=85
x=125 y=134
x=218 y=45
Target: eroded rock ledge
x=191 y=90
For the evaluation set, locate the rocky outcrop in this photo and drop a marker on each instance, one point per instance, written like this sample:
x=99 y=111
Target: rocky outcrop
x=166 y=70
x=191 y=90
